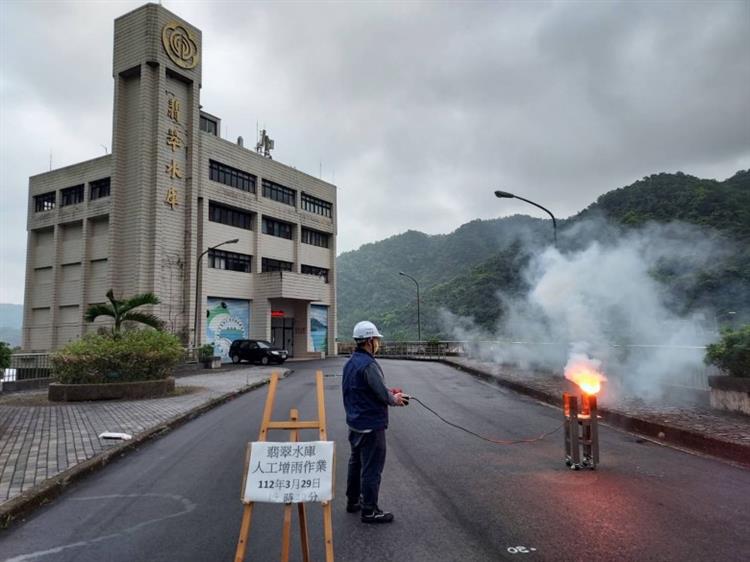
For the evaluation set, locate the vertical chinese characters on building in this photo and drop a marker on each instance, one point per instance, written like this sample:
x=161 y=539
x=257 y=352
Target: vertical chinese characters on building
x=175 y=141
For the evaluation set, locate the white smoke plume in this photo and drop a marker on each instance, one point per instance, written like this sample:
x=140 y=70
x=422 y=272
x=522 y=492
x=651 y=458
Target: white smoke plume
x=601 y=298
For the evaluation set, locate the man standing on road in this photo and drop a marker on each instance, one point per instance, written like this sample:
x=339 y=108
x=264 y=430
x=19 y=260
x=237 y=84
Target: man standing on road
x=366 y=401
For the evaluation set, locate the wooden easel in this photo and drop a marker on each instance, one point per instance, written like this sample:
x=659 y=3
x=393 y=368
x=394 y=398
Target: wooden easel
x=294 y=425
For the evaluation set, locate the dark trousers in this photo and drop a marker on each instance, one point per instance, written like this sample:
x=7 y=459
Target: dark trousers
x=365 y=467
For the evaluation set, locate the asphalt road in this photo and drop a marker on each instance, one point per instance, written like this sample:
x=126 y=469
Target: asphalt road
x=454 y=497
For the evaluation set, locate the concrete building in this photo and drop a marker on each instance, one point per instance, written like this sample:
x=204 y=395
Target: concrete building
x=150 y=215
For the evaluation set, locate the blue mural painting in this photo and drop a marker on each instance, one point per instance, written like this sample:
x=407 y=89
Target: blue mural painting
x=228 y=320
x=319 y=327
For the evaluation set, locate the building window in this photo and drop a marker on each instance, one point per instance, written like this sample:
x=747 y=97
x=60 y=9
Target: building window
x=71 y=195
x=315 y=238
x=315 y=205
x=209 y=126
x=45 y=201
x=276 y=265
x=229 y=215
x=220 y=259
x=279 y=193
x=277 y=228
x=231 y=176
x=99 y=189
x=312 y=270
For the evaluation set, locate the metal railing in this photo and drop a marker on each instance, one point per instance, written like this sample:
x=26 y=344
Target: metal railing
x=26 y=366
x=541 y=354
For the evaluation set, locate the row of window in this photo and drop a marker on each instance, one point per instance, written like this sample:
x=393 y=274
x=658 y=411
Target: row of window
x=72 y=195
x=232 y=216
x=231 y=176
x=220 y=259
x=233 y=261
x=269 y=264
x=312 y=270
x=246 y=182
x=315 y=205
x=277 y=228
x=315 y=238
x=279 y=193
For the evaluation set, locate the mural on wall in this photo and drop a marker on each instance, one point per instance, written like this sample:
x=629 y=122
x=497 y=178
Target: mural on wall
x=319 y=327
x=228 y=320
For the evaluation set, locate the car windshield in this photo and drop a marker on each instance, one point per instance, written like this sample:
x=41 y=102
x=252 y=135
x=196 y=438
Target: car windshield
x=263 y=344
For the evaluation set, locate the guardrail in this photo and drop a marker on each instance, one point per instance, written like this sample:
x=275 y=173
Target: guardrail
x=522 y=352
x=26 y=366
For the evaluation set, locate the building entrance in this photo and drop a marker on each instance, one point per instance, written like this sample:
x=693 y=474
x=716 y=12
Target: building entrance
x=282 y=334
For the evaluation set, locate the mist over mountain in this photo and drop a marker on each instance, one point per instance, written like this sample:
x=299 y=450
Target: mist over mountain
x=473 y=272
x=11 y=319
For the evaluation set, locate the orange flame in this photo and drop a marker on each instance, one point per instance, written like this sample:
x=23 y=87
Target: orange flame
x=584 y=372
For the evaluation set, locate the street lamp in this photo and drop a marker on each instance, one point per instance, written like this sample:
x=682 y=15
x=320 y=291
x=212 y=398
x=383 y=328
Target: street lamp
x=197 y=278
x=506 y=195
x=419 y=320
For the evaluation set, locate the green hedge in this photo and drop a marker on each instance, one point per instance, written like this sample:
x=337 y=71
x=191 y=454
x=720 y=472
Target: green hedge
x=732 y=352
x=139 y=355
x=5 y=353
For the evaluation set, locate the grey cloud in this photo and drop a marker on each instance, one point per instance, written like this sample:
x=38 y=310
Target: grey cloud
x=408 y=104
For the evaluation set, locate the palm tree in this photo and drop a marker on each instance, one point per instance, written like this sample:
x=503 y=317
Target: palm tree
x=123 y=311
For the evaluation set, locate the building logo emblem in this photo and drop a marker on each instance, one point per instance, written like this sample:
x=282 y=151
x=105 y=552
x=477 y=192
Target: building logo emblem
x=179 y=45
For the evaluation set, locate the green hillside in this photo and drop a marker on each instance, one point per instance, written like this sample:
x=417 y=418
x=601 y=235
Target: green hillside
x=462 y=271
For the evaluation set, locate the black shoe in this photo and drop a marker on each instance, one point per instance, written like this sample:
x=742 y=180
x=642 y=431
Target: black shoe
x=353 y=507
x=376 y=516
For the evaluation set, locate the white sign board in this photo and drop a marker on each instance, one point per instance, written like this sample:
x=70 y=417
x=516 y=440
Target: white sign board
x=292 y=472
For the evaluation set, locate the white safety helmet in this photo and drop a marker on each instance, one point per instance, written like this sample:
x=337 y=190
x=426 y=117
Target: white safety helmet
x=364 y=330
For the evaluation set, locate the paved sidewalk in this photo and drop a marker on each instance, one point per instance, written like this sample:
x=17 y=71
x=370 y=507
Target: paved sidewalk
x=723 y=434
x=41 y=439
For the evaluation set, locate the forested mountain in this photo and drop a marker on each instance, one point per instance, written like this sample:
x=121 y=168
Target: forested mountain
x=462 y=271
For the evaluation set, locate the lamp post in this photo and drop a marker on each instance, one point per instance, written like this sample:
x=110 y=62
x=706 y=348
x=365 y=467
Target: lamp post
x=506 y=195
x=419 y=320
x=196 y=340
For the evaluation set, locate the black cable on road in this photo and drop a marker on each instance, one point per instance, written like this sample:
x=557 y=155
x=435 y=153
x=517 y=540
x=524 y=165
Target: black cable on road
x=488 y=439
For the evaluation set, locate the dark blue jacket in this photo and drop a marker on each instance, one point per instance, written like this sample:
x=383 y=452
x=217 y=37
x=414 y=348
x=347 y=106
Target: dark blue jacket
x=366 y=398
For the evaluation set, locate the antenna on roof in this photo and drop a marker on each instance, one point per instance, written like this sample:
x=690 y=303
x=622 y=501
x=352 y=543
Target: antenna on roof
x=104 y=146
x=50 y=159
x=265 y=145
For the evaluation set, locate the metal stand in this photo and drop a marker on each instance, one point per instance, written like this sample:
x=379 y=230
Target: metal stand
x=581 y=431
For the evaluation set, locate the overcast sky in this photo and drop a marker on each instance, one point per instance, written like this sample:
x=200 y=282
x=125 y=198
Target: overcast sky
x=416 y=110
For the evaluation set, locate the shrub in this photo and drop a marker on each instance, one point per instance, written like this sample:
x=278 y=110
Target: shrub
x=5 y=353
x=138 y=355
x=732 y=352
x=205 y=352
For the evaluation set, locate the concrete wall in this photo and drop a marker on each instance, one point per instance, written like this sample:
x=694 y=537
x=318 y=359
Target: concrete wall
x=58 y=243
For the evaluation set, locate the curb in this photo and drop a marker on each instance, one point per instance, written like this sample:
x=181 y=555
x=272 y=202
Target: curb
x=48 y=490
x=655 y=431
